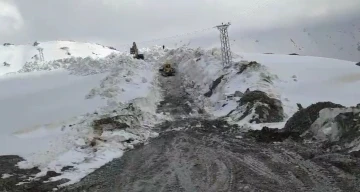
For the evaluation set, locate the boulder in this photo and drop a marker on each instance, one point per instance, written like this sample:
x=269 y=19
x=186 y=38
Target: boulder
x=304 y=118
x=268 y=135
x=213 y=86
x=238 y=94
x=266 y=109
x=348 y=125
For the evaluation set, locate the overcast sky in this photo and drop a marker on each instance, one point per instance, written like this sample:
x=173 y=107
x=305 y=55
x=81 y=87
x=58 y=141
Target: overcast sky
x=118 y=22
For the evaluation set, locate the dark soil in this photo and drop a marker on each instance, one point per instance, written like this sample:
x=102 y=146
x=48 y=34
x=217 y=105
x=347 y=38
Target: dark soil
x=194 y=153
x=268 y=109
x=302 y=119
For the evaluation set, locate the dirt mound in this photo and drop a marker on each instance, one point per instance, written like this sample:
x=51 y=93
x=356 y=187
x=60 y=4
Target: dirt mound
x=300 y=122
x=260 y=106
x=268 y=135
x=302 y=119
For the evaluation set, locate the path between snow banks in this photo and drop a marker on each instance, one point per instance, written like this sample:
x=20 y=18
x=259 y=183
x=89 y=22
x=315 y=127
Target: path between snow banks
x=194 y=153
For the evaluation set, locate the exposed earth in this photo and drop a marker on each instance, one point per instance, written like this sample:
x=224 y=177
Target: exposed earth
x=195 y=153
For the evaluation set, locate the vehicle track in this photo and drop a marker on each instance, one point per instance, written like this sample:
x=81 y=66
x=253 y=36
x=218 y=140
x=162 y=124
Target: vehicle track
x=203 y=155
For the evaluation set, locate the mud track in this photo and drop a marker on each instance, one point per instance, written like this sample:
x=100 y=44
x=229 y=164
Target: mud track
x=195 y=154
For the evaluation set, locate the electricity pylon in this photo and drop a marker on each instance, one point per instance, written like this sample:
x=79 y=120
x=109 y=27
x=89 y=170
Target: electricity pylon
x=225 y=44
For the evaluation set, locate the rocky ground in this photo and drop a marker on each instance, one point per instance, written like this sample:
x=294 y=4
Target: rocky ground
x=197 y=154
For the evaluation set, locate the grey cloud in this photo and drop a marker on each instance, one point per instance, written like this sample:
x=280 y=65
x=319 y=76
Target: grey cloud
x=117 y=23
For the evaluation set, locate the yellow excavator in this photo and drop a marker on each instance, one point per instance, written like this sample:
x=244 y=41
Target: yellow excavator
x=134 y=50
x=167 y=70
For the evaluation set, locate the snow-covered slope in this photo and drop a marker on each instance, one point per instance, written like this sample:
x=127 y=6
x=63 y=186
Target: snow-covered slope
x=290 y=79
x=56 y=114
x=17 y=55
x=60 y=112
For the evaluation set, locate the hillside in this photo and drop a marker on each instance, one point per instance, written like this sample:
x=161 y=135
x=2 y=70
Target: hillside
x=87 y=122
x=17 y=55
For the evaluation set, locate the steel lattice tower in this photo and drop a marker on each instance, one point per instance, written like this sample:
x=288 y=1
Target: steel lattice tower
x=41 y=54
x=225 y=44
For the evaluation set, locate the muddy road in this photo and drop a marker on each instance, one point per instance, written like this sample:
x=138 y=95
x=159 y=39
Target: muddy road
x=196 y=154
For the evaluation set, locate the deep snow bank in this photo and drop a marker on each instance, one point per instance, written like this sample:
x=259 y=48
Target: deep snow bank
x=14 y=57
x=65 y=99
x=289 y=79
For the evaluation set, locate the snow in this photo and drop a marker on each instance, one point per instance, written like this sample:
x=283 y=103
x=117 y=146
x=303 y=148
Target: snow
x=48 y=108
x=5 y=175
x=325 y=127
x=18 y=55
x=291 y=79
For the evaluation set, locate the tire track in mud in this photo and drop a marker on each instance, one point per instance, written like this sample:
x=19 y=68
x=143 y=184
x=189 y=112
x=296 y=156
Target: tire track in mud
x=203 y=155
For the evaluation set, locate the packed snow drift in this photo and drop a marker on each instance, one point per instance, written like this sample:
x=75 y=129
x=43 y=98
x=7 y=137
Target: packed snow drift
x=14 y=57
x=78 y=112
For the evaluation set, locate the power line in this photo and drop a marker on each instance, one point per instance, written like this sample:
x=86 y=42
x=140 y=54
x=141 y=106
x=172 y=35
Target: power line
x=247 y=12
x=172 y=37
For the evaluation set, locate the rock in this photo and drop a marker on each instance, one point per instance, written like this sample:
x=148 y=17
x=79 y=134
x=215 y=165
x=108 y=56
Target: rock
x=113 y=48
x=238 y=94
x=66 y=168
x=355 y=154
x=358 y=64
x=293 y=54
x=67 y=49
x=268 y=135
x=213 y=86
x=266 y=109
x=251 y=64
x=109 y=124
x=41 y=184
x=302 y=119
x=348 y=125
x=52 y=174
x=300 y=107
x=336 y=129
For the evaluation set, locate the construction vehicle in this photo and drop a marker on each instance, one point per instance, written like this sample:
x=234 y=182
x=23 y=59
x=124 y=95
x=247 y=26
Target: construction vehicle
x=167 y=70
x=134 y=50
